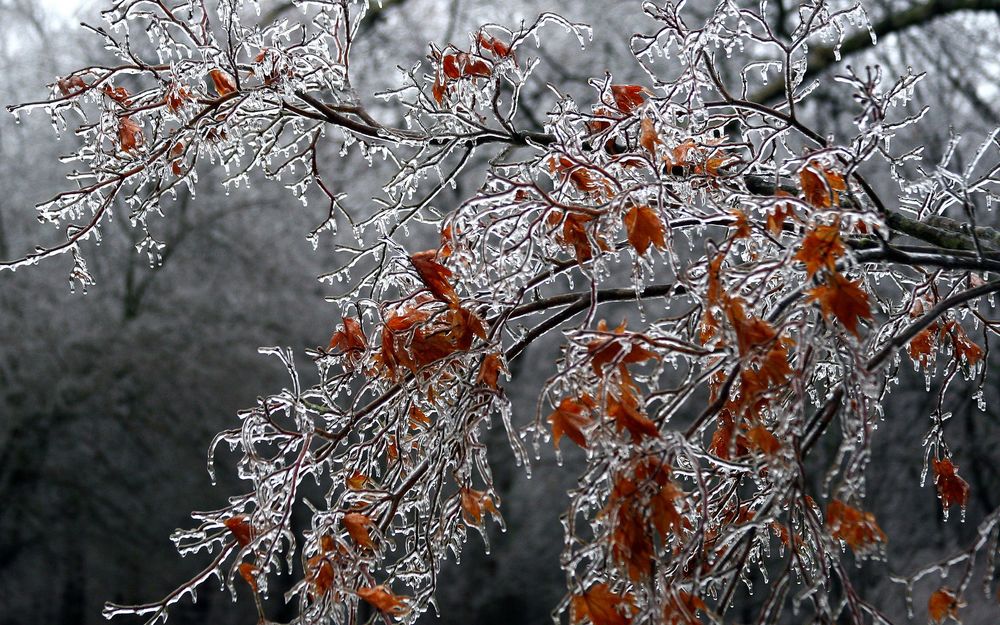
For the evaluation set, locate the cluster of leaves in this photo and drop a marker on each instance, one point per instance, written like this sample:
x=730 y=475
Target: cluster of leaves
x=775 y=299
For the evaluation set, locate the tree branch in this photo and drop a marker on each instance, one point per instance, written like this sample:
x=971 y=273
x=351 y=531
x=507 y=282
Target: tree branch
x=822 y=58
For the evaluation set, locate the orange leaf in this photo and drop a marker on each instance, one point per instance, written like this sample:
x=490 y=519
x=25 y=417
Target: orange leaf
x=821 y=248
x=574 y=234
x=357 y=481
x=601 y=606
x=855 y=527
x=357 y=525
x=843 y=299
x=622 y=351
x=628 y=97
x=118 y=94
x=682 y=609
x=350 y=338
x=714 y=295
x=473 y=503
x=750 y=331
x=249 y=574
x=951 y=488
x=965 y=349
x=648 y=137
x=625 y=411
x=319 y=574
x=417 y=418
x=741 y=226
x=240 y=528
x=820 y=186
x=763 y=440
x=921 y=347
x=223 y=83
x=644 y=228
x=489 y=371
x=942 y=604
x=569 y=419
x=435 y=276
x=130 y=134
x=776 y=219
x=383 y=600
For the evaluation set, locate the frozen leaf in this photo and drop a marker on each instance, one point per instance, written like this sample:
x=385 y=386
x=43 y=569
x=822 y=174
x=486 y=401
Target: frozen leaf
x=601 y=606
x=224 y=85
x=130 y=135
x=628 y=97
x=435 y=276
x=569 y=419
x=943 y=605
x=489 y=371
x=241 y=529
x=820 y=186
x=644 y=228
x=820 y=249
x=357 y=525
x=855 y=527
x=842 y=299
x=381 y=598
x=952 y=489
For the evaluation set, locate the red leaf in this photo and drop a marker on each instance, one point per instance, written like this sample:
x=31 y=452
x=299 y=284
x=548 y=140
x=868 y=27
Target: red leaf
x=644 y=228
x=821 y=248
x=130 y=135
x=357 y=525
x=601 y=606
x=435 y=276
x=383 y=600
x=224 y=85
x=628 y=97
x=952 y=489
x=449 y=64
x=570 y=418
x=843 y=299
x=240 y=528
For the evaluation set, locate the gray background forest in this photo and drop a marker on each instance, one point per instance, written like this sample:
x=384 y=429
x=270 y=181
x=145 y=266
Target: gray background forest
x=109 y=399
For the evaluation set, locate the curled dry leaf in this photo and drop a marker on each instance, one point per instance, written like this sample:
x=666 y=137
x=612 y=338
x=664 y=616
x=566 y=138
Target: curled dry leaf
x=223 y=84
x=952 y=489
x=357 y=525
x=489 y=371
x=435 y=276
x=602 y=606
x=842 y=299
x=240 y=528
x=382 y=599
x=855 y=527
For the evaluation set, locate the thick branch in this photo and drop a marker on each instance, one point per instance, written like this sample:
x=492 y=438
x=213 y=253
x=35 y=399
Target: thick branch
x=822 y=58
